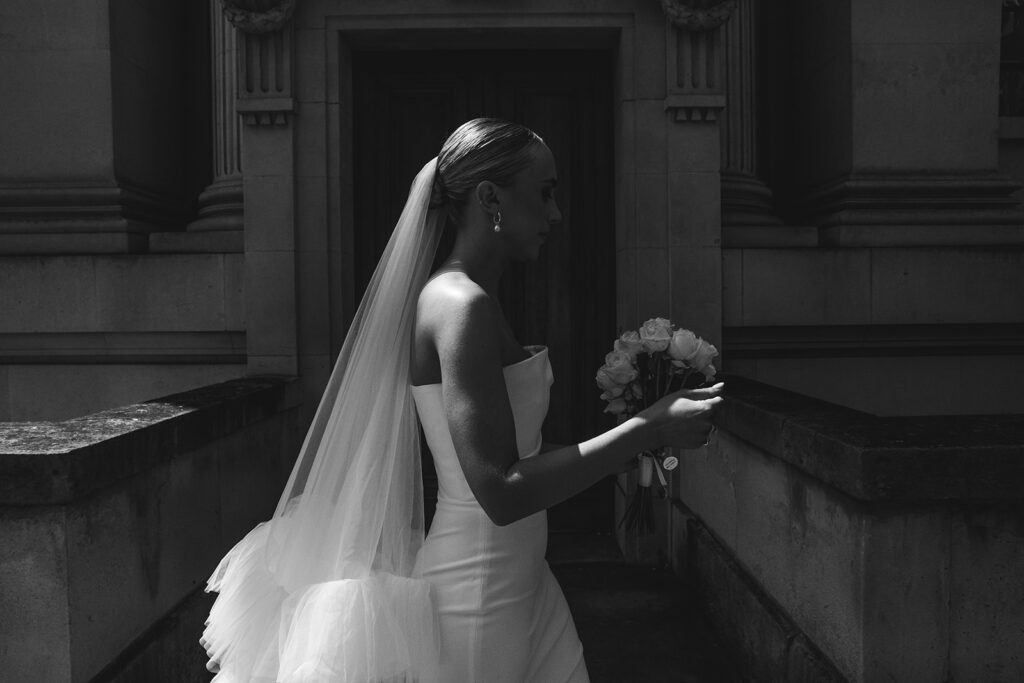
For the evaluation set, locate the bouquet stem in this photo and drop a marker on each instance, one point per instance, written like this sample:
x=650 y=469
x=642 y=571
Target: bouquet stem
x=639 y=514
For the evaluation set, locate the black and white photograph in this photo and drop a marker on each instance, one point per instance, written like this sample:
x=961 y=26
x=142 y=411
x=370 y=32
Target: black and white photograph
x=511 y=341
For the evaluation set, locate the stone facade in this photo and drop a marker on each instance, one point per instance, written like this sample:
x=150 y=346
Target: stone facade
x=817 y=196
x=826 y=191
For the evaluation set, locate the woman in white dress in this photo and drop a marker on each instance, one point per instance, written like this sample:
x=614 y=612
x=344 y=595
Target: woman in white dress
x=340 y=585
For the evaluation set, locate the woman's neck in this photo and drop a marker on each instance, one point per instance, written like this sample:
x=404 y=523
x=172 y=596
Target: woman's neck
x=480 y=262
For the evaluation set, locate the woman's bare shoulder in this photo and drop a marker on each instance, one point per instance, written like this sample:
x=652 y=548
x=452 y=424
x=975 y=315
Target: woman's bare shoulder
x=453 y=299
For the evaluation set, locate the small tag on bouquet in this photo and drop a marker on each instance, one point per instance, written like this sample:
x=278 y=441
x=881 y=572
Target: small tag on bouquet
x=670 y=463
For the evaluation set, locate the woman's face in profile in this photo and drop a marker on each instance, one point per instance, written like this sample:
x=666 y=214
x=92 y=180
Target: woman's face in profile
x=529 y=209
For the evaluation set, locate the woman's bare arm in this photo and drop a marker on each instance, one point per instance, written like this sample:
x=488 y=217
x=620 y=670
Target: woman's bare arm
x=466 y=335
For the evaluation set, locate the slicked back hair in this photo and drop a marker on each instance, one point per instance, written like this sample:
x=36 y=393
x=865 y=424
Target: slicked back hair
x=479 y=150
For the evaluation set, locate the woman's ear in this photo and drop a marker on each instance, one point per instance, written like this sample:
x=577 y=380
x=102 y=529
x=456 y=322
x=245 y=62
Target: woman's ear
x=487 y=197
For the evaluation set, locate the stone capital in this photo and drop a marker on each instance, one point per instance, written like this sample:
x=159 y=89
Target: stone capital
x=698 y=15
x=258 y=16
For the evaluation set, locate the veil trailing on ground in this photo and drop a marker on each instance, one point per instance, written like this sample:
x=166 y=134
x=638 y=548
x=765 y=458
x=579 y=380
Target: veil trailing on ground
x=324 y=590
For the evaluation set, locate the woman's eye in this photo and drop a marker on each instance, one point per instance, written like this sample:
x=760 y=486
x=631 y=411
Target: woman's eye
x=549 y=193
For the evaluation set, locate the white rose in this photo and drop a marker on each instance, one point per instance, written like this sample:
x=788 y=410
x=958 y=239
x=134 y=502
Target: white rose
x=703 y=356
x=622 y=372
x=629 y=342
x=618 y=359
x=609 y=394
x=709 y=372
x=613 y=382
x=616 y=406
x=605 y=381
x=655 y=334
x=683 y=346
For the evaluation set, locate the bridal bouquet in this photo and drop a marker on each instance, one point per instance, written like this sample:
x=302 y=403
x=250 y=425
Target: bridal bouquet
x=643 y=366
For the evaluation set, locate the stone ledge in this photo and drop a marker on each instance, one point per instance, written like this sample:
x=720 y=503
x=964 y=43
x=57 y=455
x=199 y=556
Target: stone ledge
x=135 y=348
x=872 y=340
x=769 y=236
x=197 y=242
x=871 y=458
x=54 y=463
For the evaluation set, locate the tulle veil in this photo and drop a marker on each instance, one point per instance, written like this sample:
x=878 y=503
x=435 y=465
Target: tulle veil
x=324 y=590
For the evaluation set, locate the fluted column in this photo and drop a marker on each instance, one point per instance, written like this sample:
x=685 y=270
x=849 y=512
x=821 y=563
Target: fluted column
x=220 y=204
x=746 y=200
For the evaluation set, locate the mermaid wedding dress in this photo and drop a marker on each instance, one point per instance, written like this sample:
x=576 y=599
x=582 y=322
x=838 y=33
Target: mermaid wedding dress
x=502 y=615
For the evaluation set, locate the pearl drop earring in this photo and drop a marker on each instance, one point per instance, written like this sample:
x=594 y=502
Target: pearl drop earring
x=497 y=222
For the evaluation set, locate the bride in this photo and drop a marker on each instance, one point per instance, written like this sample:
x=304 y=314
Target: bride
x=340 y=584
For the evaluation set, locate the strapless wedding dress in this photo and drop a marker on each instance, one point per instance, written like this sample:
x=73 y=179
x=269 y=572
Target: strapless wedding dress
x=502 y=615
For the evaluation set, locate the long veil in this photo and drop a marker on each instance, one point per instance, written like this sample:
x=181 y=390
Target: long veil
x=324 y=590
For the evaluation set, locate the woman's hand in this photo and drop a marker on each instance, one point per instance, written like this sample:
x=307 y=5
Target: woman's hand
x=683 y=419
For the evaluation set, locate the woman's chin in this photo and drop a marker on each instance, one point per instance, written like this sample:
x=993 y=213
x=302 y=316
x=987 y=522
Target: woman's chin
x=527 y=254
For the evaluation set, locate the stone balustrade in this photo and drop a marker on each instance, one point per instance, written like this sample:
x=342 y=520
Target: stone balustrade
x=833 y=545
x=111 y=523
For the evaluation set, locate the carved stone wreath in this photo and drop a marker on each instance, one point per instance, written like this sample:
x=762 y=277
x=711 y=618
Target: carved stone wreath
x=698 y=15
x=258 y=16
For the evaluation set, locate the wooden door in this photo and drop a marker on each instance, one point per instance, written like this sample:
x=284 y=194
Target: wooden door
x=405 y=105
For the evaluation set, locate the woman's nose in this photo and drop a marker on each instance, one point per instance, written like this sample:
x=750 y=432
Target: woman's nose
x=554 y=215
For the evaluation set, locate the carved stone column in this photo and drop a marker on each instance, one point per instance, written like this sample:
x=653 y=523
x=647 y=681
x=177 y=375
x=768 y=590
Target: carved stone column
x=746 y=200
x=264 y=89
x=220 y=204
x=696 y=95
x=696 y=98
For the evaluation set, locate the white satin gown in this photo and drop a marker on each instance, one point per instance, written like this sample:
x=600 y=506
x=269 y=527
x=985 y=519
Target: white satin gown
x=502 y=615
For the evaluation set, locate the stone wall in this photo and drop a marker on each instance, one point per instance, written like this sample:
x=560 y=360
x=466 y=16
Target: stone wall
x=104 y=123
x=112 y=523
x=831 y=544
x=57 y=91
x=891 y=330
x=890 y=281
x=81 y=333
x=106 y=144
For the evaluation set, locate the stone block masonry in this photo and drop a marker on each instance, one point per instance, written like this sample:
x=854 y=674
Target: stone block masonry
x=831 y=544
x=111 y=523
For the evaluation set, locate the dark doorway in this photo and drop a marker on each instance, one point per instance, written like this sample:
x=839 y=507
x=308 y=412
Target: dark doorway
x=405 y=105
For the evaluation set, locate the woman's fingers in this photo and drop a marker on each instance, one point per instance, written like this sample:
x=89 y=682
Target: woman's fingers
x=701 y=408
x=684 y=418
x=697 y=394
x=712 y=404
x=704 y=392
